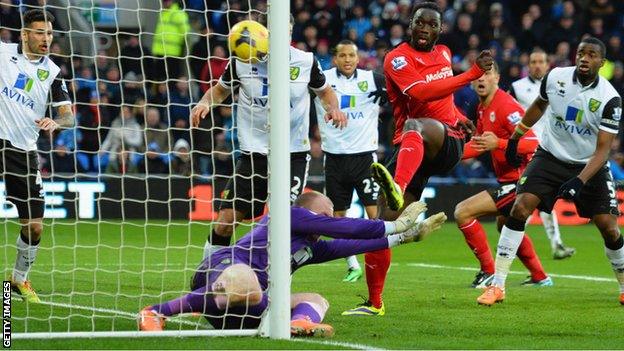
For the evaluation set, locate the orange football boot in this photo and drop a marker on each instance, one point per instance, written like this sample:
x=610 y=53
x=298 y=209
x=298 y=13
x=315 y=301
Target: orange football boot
x=305 y=327
x=491 y=295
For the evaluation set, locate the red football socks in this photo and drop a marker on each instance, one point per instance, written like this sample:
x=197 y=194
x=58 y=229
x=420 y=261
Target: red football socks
x=377 y=264
x=410 y=157
x=476 y=238
x=526 y=254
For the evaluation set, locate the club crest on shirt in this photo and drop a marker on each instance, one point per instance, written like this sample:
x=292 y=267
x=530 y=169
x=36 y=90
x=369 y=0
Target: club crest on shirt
x=42 y=74
x=594 y=104
x=492 y=116
x=398 y=63
x=294 y=72
x=363 y=86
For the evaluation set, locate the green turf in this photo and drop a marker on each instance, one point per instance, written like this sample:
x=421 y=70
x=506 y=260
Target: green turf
x=125 y=267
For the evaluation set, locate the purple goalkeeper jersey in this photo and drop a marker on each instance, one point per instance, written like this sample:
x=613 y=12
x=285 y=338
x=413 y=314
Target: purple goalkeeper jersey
x=351 y=236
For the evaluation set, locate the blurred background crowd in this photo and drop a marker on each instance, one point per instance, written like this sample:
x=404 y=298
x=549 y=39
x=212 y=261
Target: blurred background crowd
x=134 y=99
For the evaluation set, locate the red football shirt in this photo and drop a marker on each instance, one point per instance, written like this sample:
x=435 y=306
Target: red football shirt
x=404 y=68
x=501 y=117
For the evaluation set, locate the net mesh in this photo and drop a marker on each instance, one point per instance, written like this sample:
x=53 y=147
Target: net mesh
x=129 y=192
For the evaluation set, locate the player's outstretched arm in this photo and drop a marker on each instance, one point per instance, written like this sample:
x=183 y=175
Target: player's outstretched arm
x=437 y=89
x=328 y=250
x=212 y=96
x=330 y=104
x=306 y=222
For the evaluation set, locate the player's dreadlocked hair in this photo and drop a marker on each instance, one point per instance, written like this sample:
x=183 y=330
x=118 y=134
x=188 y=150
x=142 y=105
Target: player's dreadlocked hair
x=598 y=42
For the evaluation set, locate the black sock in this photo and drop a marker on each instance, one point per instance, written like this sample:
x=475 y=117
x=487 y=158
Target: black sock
x=515 y=224
x=217 y=239
x=26 y=239
x=615 y=245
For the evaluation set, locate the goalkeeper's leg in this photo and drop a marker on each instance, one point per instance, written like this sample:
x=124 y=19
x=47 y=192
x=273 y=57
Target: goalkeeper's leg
x=307 y=313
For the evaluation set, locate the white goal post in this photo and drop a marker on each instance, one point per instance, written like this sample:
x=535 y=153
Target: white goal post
x=81 y=239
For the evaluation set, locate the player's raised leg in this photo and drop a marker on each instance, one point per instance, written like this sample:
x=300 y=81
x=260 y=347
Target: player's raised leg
x=508 y=243
x=307 y=313
x=416 y=133
x=467 y=213
x=614 y=246
x=551 y=225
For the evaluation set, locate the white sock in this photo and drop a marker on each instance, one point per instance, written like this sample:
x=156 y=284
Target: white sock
x=353 y=263
x=505 y=253
x=551 y=225
x=616 y=257
x=26 y=255
x=210 y=248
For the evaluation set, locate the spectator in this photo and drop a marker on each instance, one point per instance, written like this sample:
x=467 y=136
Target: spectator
x=213 y=69
x=360 y=22
x=125 y=136
x=10 y=18
x=6 y=36
x=526 y=37
x=458 y=39
x=540 y=24
x=180 y=108
x=63 y=154
x=131 y=56
x=133 y=88
x=322 y=54
x=397 y=34
x=326 y=28
x=566 y=30
x=169 y=41
x=181 y=159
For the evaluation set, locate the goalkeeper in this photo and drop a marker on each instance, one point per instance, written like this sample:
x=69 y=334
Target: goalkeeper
x=238 y=278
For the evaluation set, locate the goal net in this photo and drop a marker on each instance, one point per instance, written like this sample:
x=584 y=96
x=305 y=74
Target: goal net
x=132 y=192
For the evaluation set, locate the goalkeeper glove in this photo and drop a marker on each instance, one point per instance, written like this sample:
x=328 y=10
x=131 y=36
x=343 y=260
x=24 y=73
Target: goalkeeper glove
x=511 y=153
x=408 y=218
x=418 y=232
x=380 y=96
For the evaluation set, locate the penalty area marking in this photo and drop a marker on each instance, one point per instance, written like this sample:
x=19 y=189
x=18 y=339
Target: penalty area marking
x=554 y=275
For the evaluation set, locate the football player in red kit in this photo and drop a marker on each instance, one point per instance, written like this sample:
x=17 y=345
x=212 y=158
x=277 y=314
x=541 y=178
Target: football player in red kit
x=498 y=114
x=429 y=129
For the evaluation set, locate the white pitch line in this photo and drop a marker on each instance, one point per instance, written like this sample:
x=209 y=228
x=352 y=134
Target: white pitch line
x=117 y=312
x=554 y=275
x=347 y=345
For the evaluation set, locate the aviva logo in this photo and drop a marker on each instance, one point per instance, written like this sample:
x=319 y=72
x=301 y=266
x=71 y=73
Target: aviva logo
x=23 y=82
x=347 y=101
x=574 y=114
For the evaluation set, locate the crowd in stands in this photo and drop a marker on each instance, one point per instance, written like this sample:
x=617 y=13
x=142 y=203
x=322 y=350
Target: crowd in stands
x=133 y=100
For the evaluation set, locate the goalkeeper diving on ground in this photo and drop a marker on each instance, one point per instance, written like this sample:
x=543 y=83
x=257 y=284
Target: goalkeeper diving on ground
x=229 y=287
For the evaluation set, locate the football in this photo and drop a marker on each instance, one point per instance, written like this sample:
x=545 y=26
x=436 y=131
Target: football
x=249 y=41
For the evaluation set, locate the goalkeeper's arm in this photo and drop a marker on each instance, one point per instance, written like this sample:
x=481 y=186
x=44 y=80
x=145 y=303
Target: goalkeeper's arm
x=213 y=96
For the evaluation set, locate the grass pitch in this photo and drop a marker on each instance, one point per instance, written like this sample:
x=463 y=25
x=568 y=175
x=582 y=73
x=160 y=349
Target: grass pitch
x=100 y=274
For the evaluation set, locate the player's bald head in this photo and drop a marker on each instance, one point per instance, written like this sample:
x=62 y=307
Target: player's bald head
x=237 y=285
x=315 y=202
